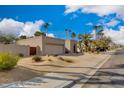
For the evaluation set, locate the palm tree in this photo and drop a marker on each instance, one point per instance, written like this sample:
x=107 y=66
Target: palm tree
x=100 y=34
x=86 y=41
x=46 y=25
x=67 y=33
x=98 y=31
x=80 y=36
x=80 y=46
x=73 y=35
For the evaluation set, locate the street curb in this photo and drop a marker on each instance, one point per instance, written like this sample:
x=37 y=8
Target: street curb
x=91 y=73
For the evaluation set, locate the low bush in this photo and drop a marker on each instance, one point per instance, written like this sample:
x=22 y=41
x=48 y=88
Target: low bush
x=55 y=55
x=7 y=61
x=49 y=59
x=68 y=60
x=21 y=55
x=61 y=58
x=36 y=58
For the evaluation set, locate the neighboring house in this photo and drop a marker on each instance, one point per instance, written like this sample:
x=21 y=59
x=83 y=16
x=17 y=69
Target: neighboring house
x=42 y=45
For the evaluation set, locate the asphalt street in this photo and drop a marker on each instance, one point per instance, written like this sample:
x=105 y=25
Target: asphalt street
x=110 y=75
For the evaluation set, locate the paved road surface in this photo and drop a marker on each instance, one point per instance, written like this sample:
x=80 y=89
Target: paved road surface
x=111 y=74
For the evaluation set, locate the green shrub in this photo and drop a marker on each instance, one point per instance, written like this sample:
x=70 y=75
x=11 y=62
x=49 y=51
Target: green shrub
x=21 y=55
x=7 y=61
x=36 y=58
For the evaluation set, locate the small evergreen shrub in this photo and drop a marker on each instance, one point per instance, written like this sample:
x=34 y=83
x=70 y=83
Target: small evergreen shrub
x=55 y=55
x=36 y=58
x=61 y=58
x=49 y=59
x=68 y=60
x=7 y=61
x=65 y=59
x=20 y=55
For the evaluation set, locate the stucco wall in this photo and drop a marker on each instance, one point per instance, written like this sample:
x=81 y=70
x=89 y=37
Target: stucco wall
x=54 y=46
x=48 y=45
x=69 y=45
x=15 y=49
x=33 y=42
x=73 y=43
x=54 y=40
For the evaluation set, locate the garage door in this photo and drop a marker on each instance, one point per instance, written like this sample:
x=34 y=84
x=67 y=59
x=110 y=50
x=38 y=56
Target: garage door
x=54 y=49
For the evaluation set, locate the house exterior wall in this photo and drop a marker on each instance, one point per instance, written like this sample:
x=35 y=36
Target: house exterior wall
x=15 y=49
x=54 y=46
x=34 y=42
x=73 y=45
x=69 y=46
x=48 y=45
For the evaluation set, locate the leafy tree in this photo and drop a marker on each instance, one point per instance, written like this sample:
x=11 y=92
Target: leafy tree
x=22 y=37
x=102 y=44
x=38 y=33
x=7 y=39
x=73 y=35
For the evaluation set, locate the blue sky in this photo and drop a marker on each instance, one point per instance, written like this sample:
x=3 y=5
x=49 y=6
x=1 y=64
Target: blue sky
x=80 y=19
x=53 y=14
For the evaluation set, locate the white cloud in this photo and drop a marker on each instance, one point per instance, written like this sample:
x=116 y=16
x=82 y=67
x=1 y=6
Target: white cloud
x=50 y=35
x=89 y=24
x=70 y=9
x=100 y=10
x=113 y=23
x=30 y=28
x=116 y=36
x=13 y=27
x=74 y=16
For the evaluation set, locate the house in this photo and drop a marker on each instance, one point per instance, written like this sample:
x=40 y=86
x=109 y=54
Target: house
x=42 y=45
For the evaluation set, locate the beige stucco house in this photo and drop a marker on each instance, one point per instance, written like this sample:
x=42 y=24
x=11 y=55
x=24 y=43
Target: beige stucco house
x=42 y=45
